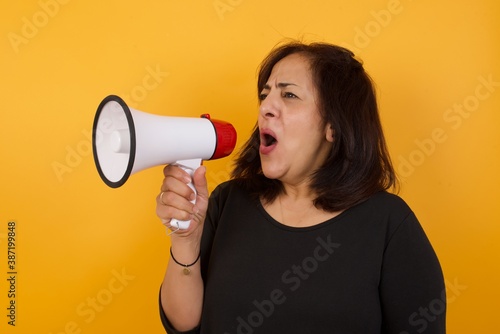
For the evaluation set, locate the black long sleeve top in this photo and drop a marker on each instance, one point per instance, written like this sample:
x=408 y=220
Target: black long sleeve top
x=369 y=270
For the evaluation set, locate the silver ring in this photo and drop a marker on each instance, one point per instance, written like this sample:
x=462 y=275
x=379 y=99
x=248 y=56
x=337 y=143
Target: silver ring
x=161 y=198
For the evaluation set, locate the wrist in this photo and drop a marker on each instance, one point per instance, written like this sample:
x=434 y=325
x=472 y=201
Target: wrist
x=186 y=265
x=185 y=251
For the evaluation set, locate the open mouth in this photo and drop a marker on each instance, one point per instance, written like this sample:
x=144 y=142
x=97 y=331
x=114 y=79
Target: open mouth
x=268 y=140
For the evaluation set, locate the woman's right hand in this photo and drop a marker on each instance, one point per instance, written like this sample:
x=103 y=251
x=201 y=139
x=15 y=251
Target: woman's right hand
x=174 y=201
x=182 y=290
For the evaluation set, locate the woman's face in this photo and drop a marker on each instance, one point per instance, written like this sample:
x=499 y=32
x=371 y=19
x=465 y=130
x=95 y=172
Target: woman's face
x=294 y=139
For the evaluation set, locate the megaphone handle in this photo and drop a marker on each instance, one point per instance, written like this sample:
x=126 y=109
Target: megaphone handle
x=189 y=166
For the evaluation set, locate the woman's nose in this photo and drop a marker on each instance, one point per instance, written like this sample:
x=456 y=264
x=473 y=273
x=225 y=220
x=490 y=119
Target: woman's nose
x=269 y=107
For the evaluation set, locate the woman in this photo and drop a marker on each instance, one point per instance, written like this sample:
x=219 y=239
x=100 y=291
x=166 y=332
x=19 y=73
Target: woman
x=305 y=238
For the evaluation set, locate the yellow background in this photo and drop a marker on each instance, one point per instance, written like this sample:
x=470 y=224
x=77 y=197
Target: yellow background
x=90 y=259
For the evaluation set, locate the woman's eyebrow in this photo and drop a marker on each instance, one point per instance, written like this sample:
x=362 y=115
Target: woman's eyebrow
x=279 y=85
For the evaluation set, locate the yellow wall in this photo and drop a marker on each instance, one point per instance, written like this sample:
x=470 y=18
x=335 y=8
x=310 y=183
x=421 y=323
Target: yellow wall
x=89 y=259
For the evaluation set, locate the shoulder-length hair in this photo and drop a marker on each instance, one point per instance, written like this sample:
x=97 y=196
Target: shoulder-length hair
x=358 y=164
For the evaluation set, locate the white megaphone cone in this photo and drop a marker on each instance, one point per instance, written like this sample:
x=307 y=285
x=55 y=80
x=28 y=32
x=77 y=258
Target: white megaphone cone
x=125 y=141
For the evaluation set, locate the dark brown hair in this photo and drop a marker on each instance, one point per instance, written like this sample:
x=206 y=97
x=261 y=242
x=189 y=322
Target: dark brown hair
x=359 y=164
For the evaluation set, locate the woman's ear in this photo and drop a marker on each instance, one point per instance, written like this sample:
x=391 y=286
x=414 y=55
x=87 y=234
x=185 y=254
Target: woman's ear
x=330 y=133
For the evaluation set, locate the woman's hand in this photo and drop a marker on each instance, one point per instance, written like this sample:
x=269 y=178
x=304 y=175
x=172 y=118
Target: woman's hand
x=174 y=201
x=182 y=291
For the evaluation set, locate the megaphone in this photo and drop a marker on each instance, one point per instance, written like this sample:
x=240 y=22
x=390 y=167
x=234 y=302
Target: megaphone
x=126 y=141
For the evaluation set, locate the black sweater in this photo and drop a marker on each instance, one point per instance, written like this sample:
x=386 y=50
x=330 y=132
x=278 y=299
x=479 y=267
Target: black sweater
x=370 y=270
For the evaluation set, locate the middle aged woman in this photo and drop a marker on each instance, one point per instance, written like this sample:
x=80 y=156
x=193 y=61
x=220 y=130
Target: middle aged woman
x=305 y=238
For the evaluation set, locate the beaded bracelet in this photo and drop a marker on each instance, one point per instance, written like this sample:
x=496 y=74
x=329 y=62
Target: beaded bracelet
x=186 y=269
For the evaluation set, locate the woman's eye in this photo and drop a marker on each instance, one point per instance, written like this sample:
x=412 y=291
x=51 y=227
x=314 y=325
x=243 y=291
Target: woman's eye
x=262 y=96
x=289 y=95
